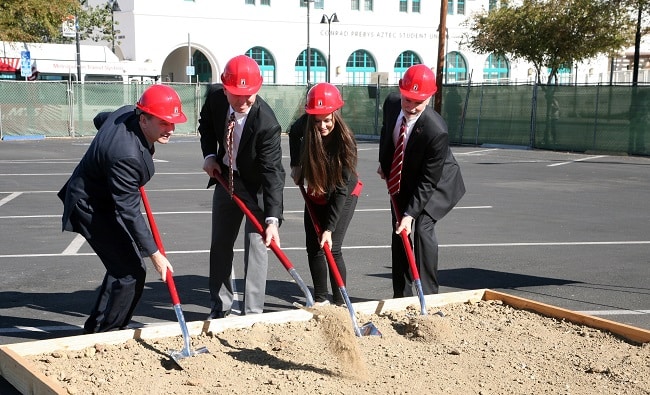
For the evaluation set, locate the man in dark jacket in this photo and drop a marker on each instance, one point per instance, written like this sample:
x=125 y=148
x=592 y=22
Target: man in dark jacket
x=101 y=201
x=240 y=140
x=422 y=174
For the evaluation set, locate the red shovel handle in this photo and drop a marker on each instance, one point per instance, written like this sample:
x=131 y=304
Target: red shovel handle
x=169 y=279
x=406 y=241
x=260 y=229
x=326 y=247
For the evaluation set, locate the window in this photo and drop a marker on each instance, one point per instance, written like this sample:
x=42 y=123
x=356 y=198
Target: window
x=450 y=7
x=415 y=6
x=318 y=4
x=251 y=2
x=564 y=73
x=354 y=5
x=496 y=68
x=317 y=67
x=494 y=4
x=265 y=2
x=265 y=61
x=359 y=67
x=460 y=7
x=455 y=68
x=405 y=60
x=202 y=67
x=368 y=5
x=403 y=6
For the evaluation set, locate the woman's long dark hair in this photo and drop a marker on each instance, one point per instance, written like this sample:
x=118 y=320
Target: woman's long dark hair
x=323 y=159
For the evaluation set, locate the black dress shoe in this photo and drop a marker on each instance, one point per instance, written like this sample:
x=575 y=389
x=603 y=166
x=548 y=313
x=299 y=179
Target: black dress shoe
x=214 y=314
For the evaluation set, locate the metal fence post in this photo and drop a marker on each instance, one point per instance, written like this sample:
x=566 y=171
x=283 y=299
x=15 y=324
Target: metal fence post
x=593 y=145
x=377 y=103
x=533 y=116
x=478 y=118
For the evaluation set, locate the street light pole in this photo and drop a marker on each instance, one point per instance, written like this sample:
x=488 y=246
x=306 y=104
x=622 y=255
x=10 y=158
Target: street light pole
x=114 y=7
x=329 y=20
x=77 y=40
x=308 y=49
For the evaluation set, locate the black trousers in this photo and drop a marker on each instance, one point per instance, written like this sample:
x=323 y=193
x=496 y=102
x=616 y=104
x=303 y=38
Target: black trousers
x=316 y=256
x=126 y=271
x=425 y=246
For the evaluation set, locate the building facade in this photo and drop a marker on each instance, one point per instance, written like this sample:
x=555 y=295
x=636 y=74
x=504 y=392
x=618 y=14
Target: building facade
x=353 y=42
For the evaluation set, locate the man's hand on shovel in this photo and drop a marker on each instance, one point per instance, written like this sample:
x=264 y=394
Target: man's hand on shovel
x=162 y=265
x=404 y=224
x=271 y=233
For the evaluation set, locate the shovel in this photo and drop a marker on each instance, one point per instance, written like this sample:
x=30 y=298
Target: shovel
x=169 y=280
x=411 y=258
x=309 y=300
x=368 y=329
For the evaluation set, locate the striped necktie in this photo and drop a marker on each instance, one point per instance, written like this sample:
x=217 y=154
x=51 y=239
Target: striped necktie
x=230 y=139
x=398 y=157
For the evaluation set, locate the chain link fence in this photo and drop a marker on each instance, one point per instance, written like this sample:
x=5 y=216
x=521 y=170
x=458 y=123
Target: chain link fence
x=600 y=118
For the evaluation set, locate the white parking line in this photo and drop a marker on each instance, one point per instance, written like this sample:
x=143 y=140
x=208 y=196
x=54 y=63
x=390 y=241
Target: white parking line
x=577 y=160
x=74 y=246
x=10 y=198
x=375 y=247
x=479 y=152
x=208 y=212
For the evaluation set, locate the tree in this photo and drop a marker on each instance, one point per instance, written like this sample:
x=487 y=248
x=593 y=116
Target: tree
x=40 y=20
x=553 y=33
x=33 y=20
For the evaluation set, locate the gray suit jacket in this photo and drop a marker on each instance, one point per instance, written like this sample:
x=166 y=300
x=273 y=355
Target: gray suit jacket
x=431 y=177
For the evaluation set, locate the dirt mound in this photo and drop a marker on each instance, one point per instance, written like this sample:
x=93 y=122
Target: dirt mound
x=475 y=348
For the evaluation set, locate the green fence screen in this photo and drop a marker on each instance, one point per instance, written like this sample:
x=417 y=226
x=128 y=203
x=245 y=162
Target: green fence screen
x=596 y=118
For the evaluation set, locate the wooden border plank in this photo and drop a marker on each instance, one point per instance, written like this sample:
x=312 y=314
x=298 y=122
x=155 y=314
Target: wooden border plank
x=26 y=377
x=628 y=332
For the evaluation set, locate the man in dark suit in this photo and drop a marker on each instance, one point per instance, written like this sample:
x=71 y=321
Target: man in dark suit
x=240 y=139
x=101 y=201
x=430 y=183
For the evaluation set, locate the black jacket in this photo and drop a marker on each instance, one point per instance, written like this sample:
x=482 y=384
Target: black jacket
x=259 y=158
x=106 y=182
x=431 y=177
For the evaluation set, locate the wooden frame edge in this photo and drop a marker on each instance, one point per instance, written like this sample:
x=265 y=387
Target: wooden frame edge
x=628 y=332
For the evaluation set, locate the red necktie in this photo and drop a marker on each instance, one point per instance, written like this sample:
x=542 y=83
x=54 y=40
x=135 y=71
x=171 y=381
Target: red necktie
x=396 y=167
x=230 y=136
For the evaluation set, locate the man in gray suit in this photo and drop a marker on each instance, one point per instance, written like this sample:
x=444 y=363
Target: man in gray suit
x=240 y=140
x=430 y=183
x=101 y=201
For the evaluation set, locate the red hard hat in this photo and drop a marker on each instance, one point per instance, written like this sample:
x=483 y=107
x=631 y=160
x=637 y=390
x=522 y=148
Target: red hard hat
x=418 y=83
x=242 y=76
x=162 y=102
x=323 y=98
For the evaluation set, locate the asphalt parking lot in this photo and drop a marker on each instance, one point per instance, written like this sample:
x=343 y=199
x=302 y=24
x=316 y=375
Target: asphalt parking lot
x=571 y=230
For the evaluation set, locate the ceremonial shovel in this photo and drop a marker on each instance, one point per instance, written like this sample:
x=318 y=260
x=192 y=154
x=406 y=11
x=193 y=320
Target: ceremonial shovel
x=368 y=329
x=169 y=280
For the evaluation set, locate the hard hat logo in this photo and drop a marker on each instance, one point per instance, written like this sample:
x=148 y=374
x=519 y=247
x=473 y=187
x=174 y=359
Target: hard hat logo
x=320 y=103
x=242 y=82
x=415 y=88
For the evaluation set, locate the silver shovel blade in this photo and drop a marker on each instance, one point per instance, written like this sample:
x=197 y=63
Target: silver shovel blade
x=369 y=329
x=177 y=355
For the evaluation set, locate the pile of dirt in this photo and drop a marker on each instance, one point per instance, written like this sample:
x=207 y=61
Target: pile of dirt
x=471 y=348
